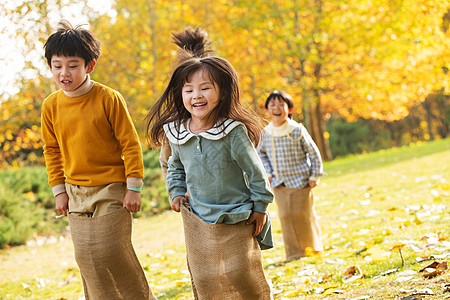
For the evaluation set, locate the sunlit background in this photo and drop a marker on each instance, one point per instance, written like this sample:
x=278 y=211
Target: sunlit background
x=364 y=75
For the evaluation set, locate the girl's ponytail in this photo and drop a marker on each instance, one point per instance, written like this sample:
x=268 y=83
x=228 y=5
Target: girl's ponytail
x=192 y=43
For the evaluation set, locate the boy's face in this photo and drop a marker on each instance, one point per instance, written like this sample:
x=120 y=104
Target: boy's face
x=278 y=111
x=69 y=72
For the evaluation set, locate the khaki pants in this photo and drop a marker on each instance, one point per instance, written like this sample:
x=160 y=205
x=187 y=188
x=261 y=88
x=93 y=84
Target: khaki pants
x=95 y=201
x=298 y=220
x=101 y=235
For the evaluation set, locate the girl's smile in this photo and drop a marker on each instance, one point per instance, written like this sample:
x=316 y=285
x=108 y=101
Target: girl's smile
x=200 y=98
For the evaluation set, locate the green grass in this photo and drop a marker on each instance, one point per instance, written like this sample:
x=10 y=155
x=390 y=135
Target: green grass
x=367 y=205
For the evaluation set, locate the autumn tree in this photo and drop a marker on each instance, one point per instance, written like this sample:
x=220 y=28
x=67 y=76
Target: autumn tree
x=359 y=58
x=20 y=139
x=353 y=59
x=20 y=136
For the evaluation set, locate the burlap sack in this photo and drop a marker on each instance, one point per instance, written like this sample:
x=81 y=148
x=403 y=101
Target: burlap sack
x=298 y=220
x=108 y=264
x=224 y=260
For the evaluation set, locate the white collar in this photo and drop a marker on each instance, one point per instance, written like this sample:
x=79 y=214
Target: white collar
x=84 y=88
x=181 y=134
x=285 y=129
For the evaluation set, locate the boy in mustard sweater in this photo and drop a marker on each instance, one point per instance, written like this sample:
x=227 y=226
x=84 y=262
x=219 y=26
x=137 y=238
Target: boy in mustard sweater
x=94 y=166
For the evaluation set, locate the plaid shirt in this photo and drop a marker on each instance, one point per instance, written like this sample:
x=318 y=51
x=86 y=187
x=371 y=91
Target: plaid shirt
x=292 y=158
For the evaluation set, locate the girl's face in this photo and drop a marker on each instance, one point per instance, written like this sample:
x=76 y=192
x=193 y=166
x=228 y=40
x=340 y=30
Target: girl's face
x=69 y=72
x=278 y=111
x=200 y=97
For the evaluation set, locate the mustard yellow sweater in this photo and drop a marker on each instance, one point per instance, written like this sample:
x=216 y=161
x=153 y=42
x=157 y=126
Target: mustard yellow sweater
x=90 y=140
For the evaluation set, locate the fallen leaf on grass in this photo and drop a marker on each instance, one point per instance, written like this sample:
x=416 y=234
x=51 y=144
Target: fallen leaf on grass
x=69 y=279
x=293 y=294
x=422 y=258
x=309 y=252
x=339 y=261
x=446 y=287
x=389 y=272
x=403 y=278
x=386 y=232
x=434 y=269
x=26 y=285
x=407 y=273
x=417 y=220
x=425 y=291
x=181 y=282
x=361 y=250
x=377 y=254
x=440 y=256
x=331 y=291
x=398 y=246
x=411 y=297
x=351 y=274
x=418 y=292
x=430 y=238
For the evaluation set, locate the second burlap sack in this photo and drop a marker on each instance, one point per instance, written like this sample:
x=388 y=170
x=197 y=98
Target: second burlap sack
x=224 y=260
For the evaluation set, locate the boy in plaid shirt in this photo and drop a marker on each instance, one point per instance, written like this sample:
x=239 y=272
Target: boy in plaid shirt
x=293 y=164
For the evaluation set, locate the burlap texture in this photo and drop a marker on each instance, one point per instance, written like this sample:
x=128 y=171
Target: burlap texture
x=298 y=220
x=105 y=255
x=224 y=260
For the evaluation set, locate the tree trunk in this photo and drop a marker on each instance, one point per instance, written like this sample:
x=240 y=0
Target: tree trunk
x=429 y=116
x=326 y=152
x=316 y=130
x=152 y=7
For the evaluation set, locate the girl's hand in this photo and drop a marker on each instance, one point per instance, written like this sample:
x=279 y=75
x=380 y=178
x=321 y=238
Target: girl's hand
x=62 y=203
x=177 y=202
x=259 y=219
x=312 y=183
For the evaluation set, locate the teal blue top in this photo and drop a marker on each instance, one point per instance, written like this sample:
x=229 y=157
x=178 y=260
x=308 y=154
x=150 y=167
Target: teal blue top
x=223 y=173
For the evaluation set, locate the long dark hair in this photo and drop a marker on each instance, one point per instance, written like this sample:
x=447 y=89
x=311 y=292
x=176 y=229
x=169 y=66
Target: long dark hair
x=193 y=56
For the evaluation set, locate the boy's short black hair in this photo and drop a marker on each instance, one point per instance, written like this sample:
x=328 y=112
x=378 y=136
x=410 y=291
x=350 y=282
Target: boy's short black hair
x=70 y=41
x=282 y=96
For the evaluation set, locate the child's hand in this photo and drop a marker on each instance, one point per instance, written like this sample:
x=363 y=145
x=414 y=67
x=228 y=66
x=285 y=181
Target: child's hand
x=177 y=202
x=132 y=201
x=312 y=183
x=259 y=219
x=62 y=203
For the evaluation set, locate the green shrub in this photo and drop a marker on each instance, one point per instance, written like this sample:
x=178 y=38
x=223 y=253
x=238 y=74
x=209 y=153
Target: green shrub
x=21 y=212
x=151 y=159
x=358 y=137
x=27 y=203
x=154 y=193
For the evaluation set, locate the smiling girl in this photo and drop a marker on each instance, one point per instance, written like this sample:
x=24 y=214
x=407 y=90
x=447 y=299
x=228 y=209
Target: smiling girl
x=212 y=137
